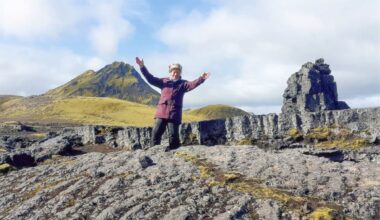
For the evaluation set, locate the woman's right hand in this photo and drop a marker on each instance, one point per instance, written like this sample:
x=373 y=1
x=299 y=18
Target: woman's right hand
x=140 y=62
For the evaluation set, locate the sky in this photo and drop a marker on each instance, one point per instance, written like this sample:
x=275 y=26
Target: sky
x=251 y=47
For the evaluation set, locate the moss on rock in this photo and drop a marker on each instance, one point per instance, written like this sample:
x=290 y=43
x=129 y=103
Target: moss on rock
x=296 y=134
x=5 y=167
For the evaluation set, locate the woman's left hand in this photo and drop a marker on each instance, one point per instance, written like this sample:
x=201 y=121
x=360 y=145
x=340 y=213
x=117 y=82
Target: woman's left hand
x=205 y=75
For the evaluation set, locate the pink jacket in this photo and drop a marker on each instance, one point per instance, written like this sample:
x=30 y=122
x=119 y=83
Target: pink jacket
x=172 y=92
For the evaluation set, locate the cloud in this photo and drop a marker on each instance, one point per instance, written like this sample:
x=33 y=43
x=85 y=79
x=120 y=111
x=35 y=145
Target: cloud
x=252 y=47
x=38 y=40
x=37 y=18
x=104 y=24
x=110 y=29
x=361 y=102
x=26 y=70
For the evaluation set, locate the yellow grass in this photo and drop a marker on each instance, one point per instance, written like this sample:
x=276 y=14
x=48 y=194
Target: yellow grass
x=323 y=213
x=39 y=135
x=4 y=99
x=85 y=110
x=4 y=167
x=214 y=176
x=295 y=134
x=216 y=111
x=81 y=81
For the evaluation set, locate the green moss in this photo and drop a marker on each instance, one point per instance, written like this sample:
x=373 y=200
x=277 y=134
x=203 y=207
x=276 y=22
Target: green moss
x=4 y=167
x=322 y=213
x=59 y=159
x=40 y=188
x=80 y=83
x=342 y=138
x=125 y=174
x=231 y=176
x=265 y=192
x=2 y=149
x=205 y=172
x=354 y=144
x=187 y=156
x=213 y=183
x=367 y=131
x=245 y=141
x=71 y=202
x=121 y=81
x=191 y=139
x=254 y=215
x=319 y=134
x=40 y=135
x=213 y=176
x=296 y=134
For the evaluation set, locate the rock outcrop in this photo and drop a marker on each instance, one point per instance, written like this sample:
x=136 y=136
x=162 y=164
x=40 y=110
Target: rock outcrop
x=40 y=151
x=242 y=129
x=312 y=89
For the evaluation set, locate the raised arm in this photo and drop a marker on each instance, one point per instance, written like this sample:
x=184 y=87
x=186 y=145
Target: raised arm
x=148 y=76
x=195 y=83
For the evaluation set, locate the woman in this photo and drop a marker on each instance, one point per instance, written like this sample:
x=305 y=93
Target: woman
x=169 y=108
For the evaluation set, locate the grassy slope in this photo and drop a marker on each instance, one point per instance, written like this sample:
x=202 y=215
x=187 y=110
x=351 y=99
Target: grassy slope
x=97 y=110
x=6 y=98
x=83 y=84
x=80 y=82
x=81 y=110
x=216 y=111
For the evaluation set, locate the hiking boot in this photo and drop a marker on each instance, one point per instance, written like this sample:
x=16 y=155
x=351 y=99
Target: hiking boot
x=170 y=148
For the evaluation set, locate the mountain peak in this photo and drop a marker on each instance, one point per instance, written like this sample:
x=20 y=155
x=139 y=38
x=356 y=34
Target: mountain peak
x=117 y=80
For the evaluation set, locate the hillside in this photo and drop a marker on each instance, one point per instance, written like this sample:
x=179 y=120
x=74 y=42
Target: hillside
x=216 y=112
x=80 y=110
x=116 y=80
x=96 y=110
x=6 y=98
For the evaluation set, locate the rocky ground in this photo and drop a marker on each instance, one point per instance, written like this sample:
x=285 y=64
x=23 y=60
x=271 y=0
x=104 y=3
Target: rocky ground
x=312 y=161
x=196 y=182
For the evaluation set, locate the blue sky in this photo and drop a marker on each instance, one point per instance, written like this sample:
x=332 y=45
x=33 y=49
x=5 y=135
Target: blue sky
x=250 y=47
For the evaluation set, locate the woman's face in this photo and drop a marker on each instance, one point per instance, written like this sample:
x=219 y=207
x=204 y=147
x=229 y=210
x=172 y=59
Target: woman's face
x=175 y=73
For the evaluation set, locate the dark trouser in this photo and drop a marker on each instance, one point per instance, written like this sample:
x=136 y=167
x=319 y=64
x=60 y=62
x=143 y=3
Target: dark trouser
x=159 y=129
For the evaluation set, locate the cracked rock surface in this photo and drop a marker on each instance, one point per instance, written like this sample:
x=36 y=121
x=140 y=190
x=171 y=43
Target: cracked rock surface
x=194 y=182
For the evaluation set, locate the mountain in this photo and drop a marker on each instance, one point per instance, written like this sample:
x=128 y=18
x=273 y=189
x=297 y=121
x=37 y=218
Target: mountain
x=116 y=80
